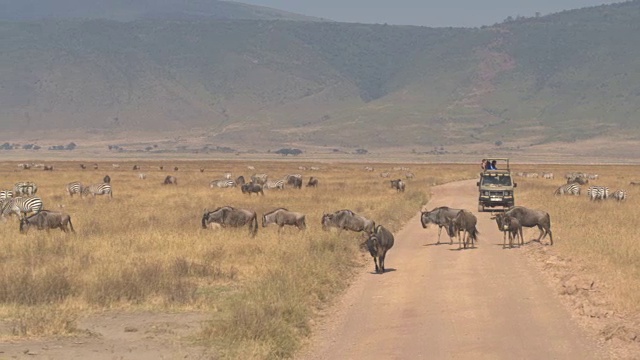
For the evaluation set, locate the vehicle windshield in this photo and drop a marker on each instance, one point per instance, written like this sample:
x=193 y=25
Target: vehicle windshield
x=497 y=180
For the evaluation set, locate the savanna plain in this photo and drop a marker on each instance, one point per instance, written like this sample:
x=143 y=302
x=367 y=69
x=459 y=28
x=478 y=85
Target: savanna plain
x=145 y=251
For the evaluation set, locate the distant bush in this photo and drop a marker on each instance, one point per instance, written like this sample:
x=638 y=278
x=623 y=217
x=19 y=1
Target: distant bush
x=289 y=151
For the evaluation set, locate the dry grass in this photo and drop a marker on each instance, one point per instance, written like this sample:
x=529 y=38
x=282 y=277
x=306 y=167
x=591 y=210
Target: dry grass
x=602 y=235
x=145 y=249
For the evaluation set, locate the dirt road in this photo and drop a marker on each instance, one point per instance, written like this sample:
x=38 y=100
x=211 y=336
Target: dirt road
x=436 y=302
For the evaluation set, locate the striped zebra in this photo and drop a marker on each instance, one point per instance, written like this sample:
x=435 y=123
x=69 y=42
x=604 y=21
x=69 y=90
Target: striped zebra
x=224 y=183
x=314 y=168
x=20 y=206
x=385 y=174
x=25 y=188
x=227 y=176
x=259 y=178
x=74 y=188
x=568 y=189
x=97 y=189
x=142 y=176
x=409 y=175
x=619 y=195
x=598 y=192
x=547 y=175
x=6 y=194
x=277 y=184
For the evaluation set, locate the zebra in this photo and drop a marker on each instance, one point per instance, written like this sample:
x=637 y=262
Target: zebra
x=314 y=168
x=385 y=174
x=569 y=189
x=619 y=195
x=6 y=194
x=598 y=192
x=225 y=183
x=259 y=178
x=142 y=176
x=368 y=168
x=74 y=188
x=20 y=206
x=277 y=184
x=97 y=189
x=227 y=176
x=547 y=175
x=409 y=175
x=25 y=188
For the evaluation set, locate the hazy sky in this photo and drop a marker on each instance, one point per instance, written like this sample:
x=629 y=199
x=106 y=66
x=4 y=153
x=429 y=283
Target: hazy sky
x=435 y=13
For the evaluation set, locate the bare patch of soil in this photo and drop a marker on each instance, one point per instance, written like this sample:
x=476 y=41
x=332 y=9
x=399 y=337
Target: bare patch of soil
x=117 y=335
x=585 y=294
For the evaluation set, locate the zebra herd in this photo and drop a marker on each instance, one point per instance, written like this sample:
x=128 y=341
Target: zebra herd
x=594 y=192
x=263 y=182
x=20 y=201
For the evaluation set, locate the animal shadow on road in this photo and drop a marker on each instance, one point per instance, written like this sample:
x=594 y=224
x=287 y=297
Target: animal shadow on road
x=386 y=270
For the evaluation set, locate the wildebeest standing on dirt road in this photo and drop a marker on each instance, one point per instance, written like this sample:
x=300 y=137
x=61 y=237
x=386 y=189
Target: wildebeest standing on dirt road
x=440 y=216
x=531 y=218
x=282 y=217
x=46 y=220
x=511 y=225
x=378 y=244
x=230 y=216
x=348 y=220
x=465 y=222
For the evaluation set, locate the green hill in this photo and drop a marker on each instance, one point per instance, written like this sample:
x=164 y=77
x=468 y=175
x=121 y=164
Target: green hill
x=565 y=77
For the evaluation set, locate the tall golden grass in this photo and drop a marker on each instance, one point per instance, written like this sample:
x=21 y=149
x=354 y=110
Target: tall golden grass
x=602 y=235
x=145 y=248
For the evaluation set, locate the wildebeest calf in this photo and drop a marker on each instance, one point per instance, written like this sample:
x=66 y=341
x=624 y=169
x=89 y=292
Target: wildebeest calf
x=511 y=225
x=46 y=220
x=378 y=244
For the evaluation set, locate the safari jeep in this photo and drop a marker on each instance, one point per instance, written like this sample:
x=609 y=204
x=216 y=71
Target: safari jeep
x=495 y=187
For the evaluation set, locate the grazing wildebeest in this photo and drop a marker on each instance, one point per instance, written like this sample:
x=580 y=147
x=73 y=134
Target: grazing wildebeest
x=170 y=180
x=95 y=166
x=46 y=220
x=378 y=244
x=313 y=182
x=440 y=216
x=48 y=168
x=282 y=217
x=233 y=217
x=175 y=168
x=530 y=218
x=106 y=179
x=348 y=220
x=136 y=167
x=201 y=170
x=465 y=222
x=398 y=184
x=295 y=180
x=82 y=166
x=240 y=180
x=161 y=167
x=249 y=188
x=511 y=225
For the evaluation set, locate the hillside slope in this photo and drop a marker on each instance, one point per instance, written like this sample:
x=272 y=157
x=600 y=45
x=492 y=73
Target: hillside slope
x=565 y=77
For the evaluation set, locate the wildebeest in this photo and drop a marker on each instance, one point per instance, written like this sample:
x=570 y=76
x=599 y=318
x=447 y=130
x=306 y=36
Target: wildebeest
x=240 y=180
x=83 y=166
x=282 y=217
x=295 y=180
x=233 y=217
x=378 y=244
x=440 y=216
x=465 y=222
x=46 y=220
x=398 y=184
x=201 y=170
x=313 y=182
x=175 y=168
x=170 y=180
x=348 y=220
x=511 y=225
x=530 y=218
x=106 y=179
x=249 y=188
x=136 y=167
x=48 y=168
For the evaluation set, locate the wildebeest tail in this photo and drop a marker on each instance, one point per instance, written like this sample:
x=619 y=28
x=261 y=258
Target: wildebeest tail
x=474 y=233
x=253 y=225
x=204 y=221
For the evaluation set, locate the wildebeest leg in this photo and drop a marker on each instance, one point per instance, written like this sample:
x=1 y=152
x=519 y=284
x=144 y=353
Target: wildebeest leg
x=375 y=261
x=439 y=232
x=382 y=262
x=504 y=239
x=521 y=237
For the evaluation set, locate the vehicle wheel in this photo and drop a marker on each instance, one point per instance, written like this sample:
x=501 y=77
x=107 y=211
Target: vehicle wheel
x=480 y=208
